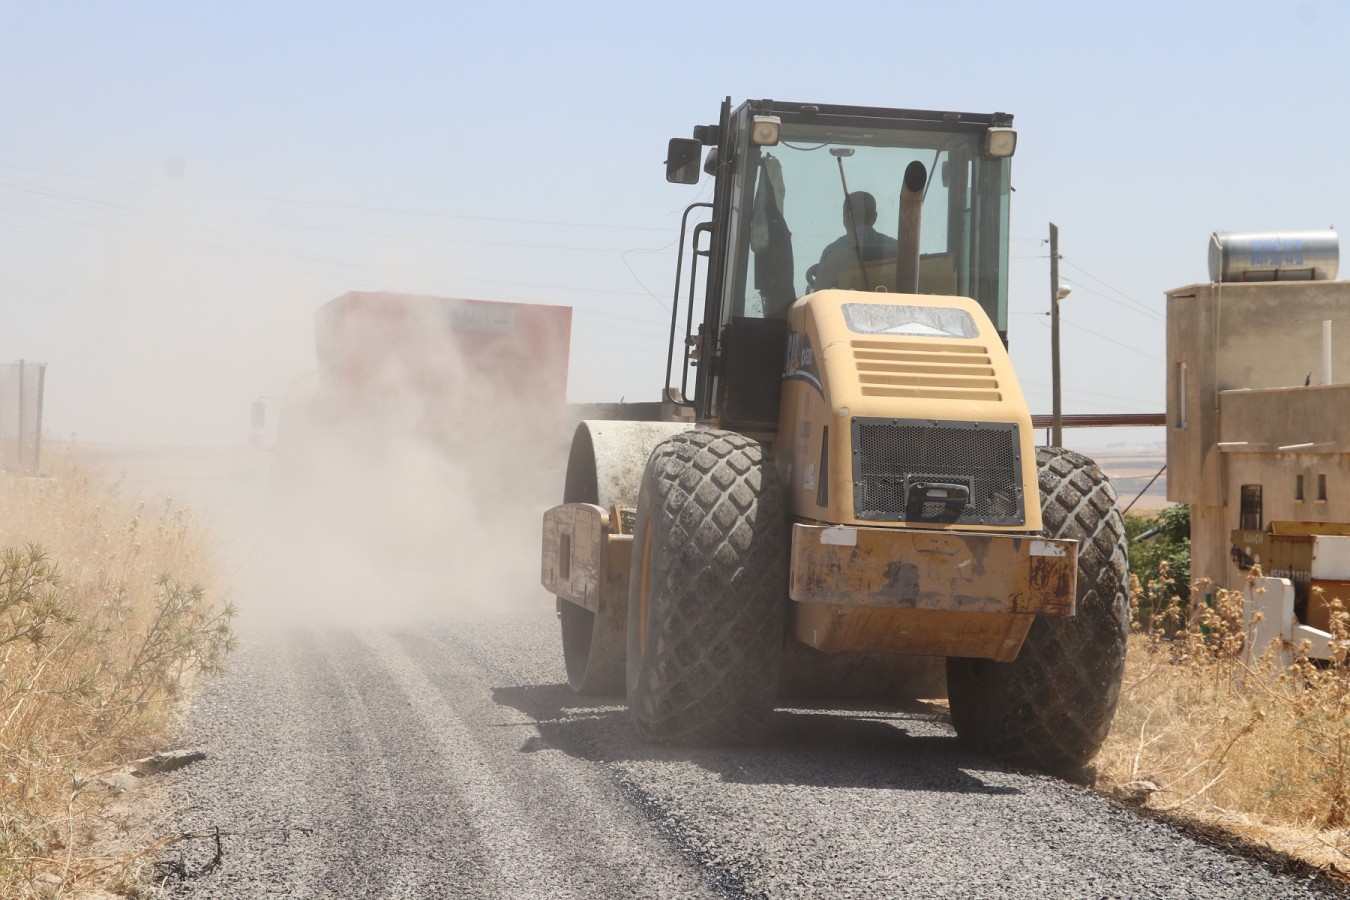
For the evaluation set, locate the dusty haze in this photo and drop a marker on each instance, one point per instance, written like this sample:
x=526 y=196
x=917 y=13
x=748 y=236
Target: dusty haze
x=421 y=498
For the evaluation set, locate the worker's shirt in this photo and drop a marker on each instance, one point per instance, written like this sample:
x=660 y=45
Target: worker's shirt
x=844 y=252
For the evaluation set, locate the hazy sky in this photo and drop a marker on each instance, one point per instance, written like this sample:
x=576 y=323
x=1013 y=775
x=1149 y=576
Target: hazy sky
x=181 y=186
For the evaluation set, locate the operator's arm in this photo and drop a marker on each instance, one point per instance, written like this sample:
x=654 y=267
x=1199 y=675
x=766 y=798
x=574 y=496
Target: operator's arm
x=832 y=261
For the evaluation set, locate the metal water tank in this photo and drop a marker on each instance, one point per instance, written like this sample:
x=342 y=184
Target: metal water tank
x=1273 y=256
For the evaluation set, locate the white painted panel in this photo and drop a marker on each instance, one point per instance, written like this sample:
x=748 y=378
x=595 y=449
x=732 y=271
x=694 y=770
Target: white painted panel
x=1331 y=556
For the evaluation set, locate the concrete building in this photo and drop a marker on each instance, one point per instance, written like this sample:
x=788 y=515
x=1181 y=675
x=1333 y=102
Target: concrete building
x=1258 y=430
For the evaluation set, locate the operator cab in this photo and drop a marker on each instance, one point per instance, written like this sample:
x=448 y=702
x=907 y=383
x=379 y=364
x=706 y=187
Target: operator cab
x=789 y=179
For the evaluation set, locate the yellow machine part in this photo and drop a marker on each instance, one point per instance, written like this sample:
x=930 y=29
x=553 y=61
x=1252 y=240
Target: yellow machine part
x=959 y=589
x=586 y=556
x=908 y=584
x=866 y=629
x=835 y=374
x=918 y=592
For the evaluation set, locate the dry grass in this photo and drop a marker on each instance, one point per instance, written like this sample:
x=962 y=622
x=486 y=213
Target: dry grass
x=1253 y=747
x=105 y=610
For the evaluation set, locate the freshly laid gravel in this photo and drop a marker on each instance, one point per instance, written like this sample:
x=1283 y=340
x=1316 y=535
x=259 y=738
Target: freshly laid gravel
x=451 y=760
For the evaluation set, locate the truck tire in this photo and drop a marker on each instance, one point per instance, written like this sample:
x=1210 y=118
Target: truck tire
x=1051 y=708
x=707 y=600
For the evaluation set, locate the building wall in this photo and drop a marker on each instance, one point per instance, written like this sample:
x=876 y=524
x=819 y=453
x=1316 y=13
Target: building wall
x=1263 y=440
x=1229 y=336
x=1238 y=357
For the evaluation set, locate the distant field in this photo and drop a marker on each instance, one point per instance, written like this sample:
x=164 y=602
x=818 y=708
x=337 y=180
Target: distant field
x=1130 y=471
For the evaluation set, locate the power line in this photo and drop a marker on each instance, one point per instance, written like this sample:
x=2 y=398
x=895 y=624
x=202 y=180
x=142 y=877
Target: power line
x=1128 y=301
x=1109 y=340
x=1042 y=387
x=91 y=212
x=141 y=210
x=334 y=205
x=1157 y=317
x=1112 y=340
x=151 y=224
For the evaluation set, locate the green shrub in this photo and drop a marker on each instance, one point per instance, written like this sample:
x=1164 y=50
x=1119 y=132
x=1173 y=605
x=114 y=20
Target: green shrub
x=1160 y=558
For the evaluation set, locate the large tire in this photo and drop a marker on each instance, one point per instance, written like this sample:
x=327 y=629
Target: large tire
x=1051 y=708
x=707 y=606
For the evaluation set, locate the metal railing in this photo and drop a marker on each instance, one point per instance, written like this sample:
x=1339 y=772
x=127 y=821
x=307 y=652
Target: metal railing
x=1101 y=420
x=21 y=386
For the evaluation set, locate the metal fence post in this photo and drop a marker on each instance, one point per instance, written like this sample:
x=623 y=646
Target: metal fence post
x=37 y=429
x=18 y=431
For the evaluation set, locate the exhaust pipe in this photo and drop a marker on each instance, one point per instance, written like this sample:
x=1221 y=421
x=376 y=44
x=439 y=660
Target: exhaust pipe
x=907 y=233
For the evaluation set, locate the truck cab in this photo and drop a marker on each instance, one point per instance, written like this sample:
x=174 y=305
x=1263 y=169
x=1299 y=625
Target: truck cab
x=783 y=173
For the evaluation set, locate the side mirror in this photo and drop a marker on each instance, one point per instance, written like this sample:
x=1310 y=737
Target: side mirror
x=682 y=160
x=258 y=415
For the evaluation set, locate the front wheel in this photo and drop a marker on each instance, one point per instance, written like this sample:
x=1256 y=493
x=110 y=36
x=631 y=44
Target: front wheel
x=1051 y=707
x=708 y=591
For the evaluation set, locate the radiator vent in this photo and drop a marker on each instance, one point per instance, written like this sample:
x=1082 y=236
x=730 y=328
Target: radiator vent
x=930 y=370
x=909 y=470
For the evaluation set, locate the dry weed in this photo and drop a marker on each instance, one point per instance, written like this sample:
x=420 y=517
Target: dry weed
x=104 y=611
x=1257 y=746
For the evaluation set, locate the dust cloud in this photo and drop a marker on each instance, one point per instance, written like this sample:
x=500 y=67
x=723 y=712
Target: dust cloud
x=409 y=477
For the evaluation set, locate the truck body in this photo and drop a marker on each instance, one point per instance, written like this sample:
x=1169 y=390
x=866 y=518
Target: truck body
x=447 y=368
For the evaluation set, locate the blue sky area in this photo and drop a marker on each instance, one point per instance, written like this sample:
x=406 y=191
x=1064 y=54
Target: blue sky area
x=182 y=185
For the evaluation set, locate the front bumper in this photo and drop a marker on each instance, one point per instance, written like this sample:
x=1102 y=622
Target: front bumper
x=939 y=593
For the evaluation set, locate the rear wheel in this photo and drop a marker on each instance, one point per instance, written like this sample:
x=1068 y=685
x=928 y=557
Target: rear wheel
x=1052 y=706
x=708 y=591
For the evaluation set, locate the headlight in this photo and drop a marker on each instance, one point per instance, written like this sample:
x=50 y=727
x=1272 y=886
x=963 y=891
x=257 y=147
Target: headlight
x=1000 y=143
x=764 y=130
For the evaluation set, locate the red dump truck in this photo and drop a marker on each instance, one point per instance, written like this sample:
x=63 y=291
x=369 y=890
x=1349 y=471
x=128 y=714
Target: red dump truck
x=449 y=367
x=455 y=372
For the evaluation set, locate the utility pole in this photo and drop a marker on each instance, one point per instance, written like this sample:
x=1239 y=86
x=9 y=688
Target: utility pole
x=1056 y=431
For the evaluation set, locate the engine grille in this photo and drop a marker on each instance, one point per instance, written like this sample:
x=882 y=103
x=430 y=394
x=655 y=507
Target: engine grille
x=927 y=370
x=894 y=458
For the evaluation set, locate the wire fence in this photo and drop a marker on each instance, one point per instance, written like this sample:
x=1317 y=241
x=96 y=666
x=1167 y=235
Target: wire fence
x=21 y=385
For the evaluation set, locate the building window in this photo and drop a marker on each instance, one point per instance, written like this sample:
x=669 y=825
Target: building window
x=1322 y=488
x=1251 y=508
x=1182 y=390
x=1298 y=487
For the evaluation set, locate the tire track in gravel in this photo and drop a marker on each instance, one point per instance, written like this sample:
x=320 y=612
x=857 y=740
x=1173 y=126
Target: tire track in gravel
x=315 y=772
x=399 y=815
x=340 y=766
x=558 y=828
x=452 y=760
x=865 y=802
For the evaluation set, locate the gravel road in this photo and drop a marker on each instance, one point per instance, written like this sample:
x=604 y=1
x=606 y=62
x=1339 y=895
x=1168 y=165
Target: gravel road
x=451 y=760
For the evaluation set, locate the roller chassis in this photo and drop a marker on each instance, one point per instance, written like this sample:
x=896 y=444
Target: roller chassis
x=682 y=603
x=858 y=478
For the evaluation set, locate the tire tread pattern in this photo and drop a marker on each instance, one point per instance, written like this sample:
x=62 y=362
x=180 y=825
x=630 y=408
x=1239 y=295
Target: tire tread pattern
x=1052 y=707
x=718 y=591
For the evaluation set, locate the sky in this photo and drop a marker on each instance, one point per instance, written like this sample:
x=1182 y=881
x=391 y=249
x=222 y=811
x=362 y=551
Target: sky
x=182 y=185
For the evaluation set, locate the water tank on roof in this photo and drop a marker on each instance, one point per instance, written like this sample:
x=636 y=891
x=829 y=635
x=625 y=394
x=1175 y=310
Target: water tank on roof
x=1273 y=256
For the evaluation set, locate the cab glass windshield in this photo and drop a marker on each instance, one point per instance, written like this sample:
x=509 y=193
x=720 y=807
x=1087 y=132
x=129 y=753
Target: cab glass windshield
x=821 y=209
